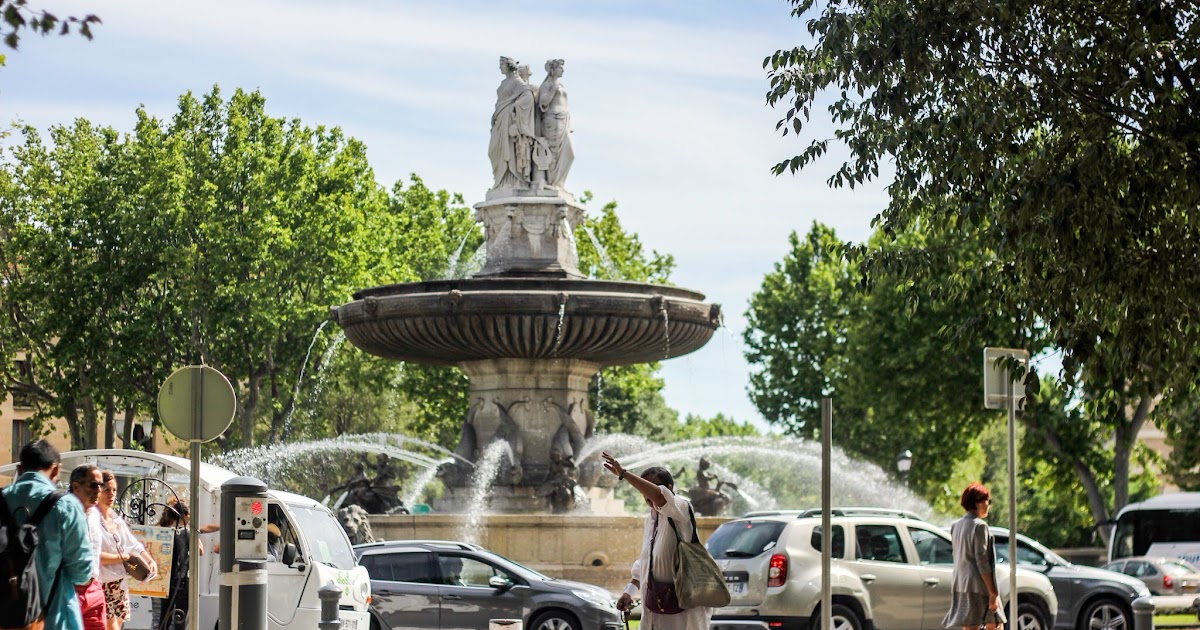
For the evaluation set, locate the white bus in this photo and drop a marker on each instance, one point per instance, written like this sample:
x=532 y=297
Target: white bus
x=1166 y=525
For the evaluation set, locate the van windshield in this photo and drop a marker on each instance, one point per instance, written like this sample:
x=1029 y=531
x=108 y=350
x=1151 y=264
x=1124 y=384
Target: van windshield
x=325 y=536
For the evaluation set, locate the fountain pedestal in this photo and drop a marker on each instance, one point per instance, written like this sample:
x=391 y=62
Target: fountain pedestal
x=530 y=235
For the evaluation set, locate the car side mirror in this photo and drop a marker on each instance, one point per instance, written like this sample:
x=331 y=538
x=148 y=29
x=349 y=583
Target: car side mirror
x=290 y=553
x=500 y=582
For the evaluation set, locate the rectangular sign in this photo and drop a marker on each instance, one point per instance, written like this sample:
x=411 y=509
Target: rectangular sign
x=160 y=542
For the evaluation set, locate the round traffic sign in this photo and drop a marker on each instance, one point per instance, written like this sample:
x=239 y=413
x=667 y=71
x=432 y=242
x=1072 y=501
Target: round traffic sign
x=196 y=403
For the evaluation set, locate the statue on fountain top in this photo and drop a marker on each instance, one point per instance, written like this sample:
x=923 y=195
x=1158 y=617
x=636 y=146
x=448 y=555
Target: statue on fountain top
x=530 y=146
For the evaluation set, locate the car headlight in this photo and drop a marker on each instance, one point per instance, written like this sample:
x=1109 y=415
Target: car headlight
x=595 y=599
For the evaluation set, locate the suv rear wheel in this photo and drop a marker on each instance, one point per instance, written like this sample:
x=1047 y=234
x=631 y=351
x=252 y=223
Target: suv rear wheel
x=844 y=618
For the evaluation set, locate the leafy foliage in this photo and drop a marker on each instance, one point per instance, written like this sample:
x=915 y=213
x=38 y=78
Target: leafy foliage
x=1060 y=138
x=220 y=237
x=16 y=15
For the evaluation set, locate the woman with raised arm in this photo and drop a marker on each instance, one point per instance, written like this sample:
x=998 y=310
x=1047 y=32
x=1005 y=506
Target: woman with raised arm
x=671 y=519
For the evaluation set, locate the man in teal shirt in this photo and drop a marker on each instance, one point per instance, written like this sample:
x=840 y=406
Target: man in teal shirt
x=63 y=556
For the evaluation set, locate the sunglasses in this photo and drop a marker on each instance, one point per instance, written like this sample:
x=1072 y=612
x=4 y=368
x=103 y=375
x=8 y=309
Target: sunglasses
x=94 y=485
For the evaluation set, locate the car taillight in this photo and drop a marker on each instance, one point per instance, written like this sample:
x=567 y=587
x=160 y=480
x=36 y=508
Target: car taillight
x=777 y=573
x=1168 y=583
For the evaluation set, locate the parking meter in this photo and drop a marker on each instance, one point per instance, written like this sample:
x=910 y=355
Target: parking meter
x=243 y=595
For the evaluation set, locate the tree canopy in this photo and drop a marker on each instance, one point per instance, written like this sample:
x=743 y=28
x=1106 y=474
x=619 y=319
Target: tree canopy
x=1060 y=138
x=220 y=237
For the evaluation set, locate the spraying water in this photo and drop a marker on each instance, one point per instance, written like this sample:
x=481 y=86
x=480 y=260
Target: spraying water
x=605 y=262
x=481 y=484
x=287 y=418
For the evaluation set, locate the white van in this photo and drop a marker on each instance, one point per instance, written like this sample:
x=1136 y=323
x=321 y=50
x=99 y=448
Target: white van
x=324 y=552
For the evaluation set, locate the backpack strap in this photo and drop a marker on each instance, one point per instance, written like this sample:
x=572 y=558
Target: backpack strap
x=6 y=517
x=45 y=506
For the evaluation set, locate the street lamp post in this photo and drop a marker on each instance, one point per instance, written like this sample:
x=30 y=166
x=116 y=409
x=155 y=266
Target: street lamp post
x=904 y=464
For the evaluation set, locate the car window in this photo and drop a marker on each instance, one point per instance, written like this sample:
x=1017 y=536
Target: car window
x=1025 y=554
x=931 y=548
x=468 y=571
x=401 y=566
x=1114 y=566
x=880 y=543
x=744 y=539
x=1136 y=569
x=1177 y=567
x=838 y=547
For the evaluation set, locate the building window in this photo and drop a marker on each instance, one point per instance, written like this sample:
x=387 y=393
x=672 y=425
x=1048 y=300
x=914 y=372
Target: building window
x=21 y=435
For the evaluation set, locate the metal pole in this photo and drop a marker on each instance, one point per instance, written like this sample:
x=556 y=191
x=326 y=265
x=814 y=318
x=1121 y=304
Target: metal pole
x=1012 y=497
x=193 y=594
x=826 y=513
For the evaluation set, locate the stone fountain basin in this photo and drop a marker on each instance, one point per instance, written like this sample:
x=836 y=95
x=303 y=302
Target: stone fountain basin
x=445 y=322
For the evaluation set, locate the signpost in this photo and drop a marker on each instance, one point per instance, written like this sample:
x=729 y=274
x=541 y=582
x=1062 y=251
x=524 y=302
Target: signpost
x=1000 y=392
x=196 y=404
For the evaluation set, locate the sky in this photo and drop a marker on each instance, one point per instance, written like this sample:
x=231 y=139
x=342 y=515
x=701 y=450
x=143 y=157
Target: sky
x=667 y=104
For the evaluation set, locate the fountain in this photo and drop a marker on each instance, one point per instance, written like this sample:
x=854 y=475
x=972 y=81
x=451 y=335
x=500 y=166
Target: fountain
x=528 y=329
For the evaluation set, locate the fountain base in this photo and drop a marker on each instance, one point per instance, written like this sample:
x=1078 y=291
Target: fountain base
x=525 y=500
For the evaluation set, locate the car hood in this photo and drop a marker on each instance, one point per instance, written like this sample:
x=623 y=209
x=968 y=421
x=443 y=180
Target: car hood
x=566 y=586
x=1080 y=572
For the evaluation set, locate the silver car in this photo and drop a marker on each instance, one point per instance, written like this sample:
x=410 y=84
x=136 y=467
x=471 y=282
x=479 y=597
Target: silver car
x=890 y=571
x=437 y=584
x=1163 y=576
x=1088 y=598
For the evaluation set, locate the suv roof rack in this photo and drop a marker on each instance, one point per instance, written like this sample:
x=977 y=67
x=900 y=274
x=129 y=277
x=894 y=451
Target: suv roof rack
x=840 y=511
x=447 y=544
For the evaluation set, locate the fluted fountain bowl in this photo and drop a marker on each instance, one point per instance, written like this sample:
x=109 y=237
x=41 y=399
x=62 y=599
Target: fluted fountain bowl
x=445 y=322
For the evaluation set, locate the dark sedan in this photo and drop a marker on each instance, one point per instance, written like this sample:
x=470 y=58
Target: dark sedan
x=1088 y=598
x=445 y=585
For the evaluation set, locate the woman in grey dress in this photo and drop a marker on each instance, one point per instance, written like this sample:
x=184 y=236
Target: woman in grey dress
x=974 y=601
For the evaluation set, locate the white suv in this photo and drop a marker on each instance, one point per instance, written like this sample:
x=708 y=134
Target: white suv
x=890 y=569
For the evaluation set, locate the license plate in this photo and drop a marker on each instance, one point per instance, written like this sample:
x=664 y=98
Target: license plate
x=736 y=588
x=349 y=624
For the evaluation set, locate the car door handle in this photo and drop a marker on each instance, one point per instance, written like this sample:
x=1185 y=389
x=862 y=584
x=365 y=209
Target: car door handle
x=931 y=581
x=451 y=597
x=866 y=577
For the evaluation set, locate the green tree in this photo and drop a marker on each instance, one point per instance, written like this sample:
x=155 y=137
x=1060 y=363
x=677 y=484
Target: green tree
x=1058 y=136
x=720 y=425
x=899 y=377
x=220 y=237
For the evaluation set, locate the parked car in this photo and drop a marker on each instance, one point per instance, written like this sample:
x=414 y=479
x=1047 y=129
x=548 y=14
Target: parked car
x=1088 y=598
x=1163 y=576
x=890 y=571
x=438 y=584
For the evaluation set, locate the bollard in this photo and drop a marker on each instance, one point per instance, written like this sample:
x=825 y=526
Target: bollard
x=505 y=624
x=1143 y=613
x=329 y=595
x=1196 y=605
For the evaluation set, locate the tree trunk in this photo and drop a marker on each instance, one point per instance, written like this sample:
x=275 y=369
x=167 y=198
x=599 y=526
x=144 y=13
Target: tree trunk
x=246 y=410
x=110 y=425
x=1087 y=477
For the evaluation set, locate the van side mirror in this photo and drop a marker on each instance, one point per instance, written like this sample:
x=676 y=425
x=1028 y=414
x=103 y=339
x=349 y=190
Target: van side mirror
x=289 y=554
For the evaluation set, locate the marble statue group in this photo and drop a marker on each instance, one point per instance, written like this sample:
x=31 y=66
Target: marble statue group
x=530 y=145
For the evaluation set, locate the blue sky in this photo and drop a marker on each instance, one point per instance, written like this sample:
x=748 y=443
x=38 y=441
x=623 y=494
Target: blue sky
x=667 y=104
